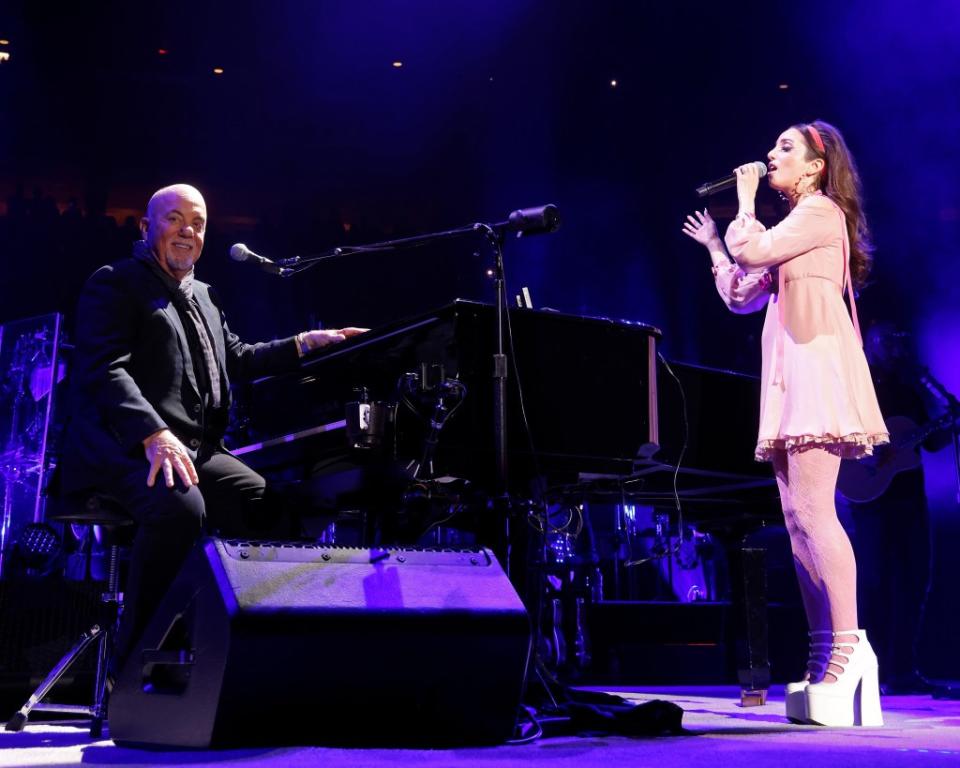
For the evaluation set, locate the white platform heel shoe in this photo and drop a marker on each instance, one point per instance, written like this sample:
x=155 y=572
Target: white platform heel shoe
x=854 y=699
x=795 y=694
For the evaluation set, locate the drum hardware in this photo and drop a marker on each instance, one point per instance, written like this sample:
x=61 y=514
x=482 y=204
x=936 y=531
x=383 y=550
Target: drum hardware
x=569 y=579
x=423 y=501
x=581 y=647
x=430 y=501
x=429 y=391
x=552 y=645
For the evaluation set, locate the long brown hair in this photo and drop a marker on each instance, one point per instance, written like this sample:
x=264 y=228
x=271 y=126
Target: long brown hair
x=840 y=181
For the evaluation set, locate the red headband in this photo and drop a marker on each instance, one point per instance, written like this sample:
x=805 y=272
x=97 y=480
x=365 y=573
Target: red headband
x=816 y=139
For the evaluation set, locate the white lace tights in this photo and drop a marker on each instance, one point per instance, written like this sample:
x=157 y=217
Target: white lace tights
x=822 y=554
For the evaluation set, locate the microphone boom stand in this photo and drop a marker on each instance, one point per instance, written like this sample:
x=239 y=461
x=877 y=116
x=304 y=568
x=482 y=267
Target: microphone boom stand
x=298 y=264
x=501 y=495
x=501 y=489
x=544 y=220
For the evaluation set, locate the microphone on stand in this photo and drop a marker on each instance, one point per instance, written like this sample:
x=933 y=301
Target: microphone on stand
x=541 y=220
x=712 y=187
x=240 y=252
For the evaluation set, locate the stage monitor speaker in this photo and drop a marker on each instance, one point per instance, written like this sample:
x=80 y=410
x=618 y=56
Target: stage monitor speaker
x=272 y=644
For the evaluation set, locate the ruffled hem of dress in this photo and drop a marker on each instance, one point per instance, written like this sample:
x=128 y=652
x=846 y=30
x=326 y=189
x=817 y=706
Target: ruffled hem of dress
x=852 y=446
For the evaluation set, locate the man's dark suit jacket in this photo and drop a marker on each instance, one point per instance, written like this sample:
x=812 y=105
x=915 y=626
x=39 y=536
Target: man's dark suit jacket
x=133 y=373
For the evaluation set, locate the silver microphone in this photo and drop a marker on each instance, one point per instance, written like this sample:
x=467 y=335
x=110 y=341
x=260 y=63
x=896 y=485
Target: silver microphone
x=240 y=252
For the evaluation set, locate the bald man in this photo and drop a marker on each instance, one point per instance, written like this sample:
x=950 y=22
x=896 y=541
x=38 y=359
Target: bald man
x=151 y=393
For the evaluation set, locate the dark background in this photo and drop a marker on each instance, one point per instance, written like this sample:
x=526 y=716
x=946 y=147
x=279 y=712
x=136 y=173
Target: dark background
x=311 y=138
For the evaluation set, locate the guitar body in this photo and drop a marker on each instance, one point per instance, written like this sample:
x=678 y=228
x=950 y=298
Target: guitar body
x=866 y=479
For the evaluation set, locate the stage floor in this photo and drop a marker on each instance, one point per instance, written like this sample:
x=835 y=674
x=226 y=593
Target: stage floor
x=919 y=731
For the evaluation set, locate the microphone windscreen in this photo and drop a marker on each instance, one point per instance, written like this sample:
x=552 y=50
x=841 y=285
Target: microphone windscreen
x=239 y=252
x=535 y=221
x=761 y=168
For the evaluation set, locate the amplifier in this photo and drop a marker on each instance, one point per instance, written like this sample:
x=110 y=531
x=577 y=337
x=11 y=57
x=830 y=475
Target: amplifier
x=260 y=643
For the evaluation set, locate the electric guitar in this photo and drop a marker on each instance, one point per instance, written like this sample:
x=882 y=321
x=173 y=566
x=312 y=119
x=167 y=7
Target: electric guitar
x=868 y=478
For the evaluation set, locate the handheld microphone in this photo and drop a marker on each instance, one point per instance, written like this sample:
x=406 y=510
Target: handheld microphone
x=712 y=187
x=240 y=252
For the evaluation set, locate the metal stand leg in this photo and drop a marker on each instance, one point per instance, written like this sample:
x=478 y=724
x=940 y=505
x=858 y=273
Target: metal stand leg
x=19 y=720
x=103 y=635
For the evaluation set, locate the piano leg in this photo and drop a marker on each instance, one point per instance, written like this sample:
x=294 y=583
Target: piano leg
x=748 y=571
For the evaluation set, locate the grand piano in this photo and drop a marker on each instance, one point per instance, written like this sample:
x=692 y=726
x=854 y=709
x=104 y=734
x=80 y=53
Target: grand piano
x=594 y=413
x=591 y=404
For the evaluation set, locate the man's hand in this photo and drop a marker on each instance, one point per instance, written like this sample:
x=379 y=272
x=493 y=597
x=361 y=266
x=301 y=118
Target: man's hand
x=319 y=339
x=164 y=451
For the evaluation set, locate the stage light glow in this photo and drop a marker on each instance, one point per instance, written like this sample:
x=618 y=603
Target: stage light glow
x=397 y=64
x=4 y=56
x=783 y=86
x=4 y=42
x=613 y=83
x=218 y=70
x=162 y=51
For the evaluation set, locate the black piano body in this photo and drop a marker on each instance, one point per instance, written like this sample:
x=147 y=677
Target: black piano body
x=708 y=420
x=588 y=385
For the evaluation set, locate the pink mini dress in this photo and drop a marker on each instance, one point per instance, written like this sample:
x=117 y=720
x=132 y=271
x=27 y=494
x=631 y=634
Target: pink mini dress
x=816 y=389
